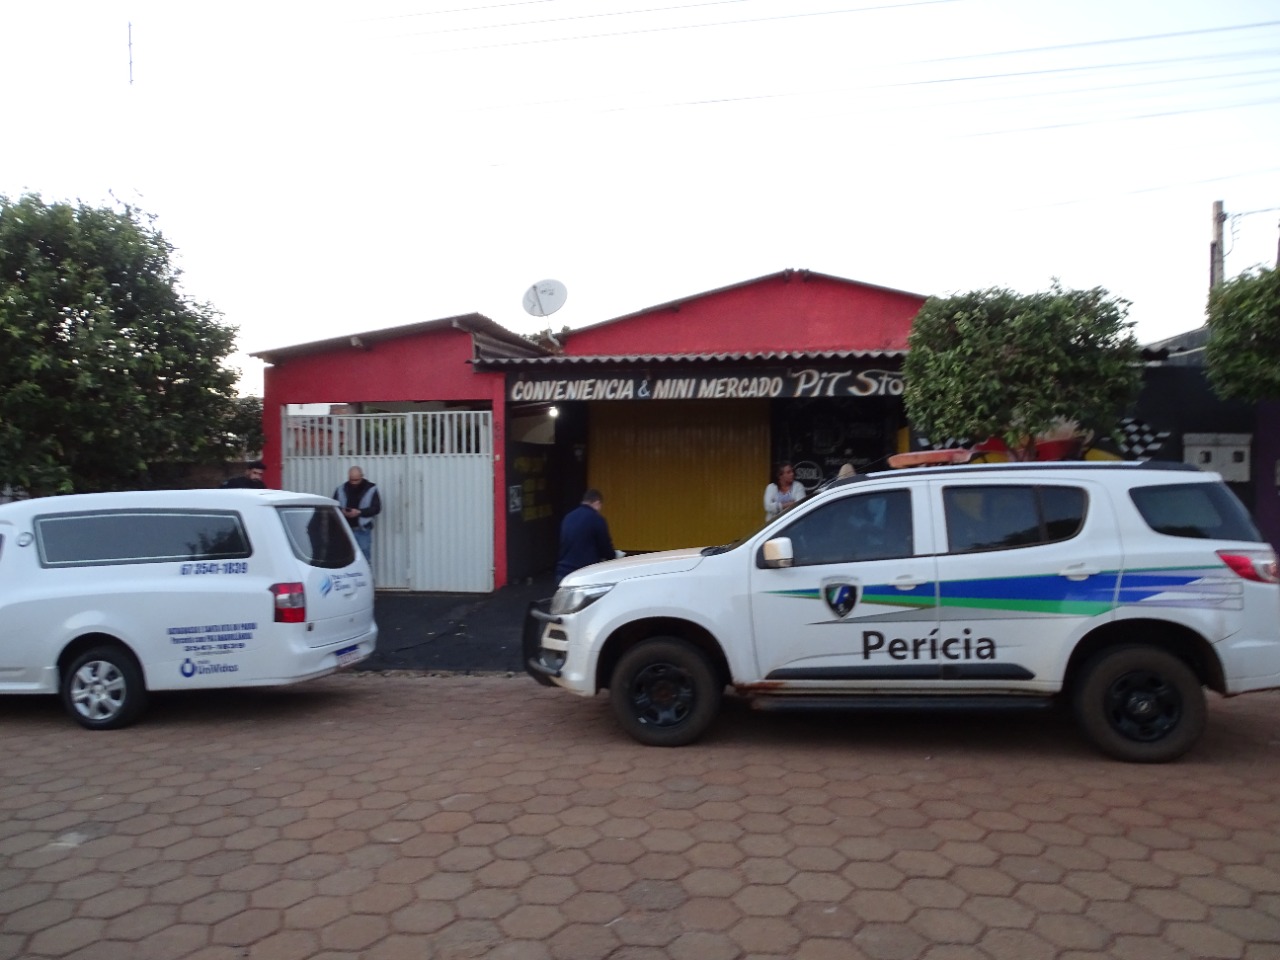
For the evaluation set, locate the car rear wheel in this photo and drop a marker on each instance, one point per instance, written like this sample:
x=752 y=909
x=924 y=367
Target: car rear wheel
x=102 y=688
x=1140 y=704
x=664 y=692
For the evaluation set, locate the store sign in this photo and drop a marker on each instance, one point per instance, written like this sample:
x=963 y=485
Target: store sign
x=771 y=383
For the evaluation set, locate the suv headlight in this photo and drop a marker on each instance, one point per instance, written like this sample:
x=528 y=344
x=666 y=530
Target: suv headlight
x=573 y=599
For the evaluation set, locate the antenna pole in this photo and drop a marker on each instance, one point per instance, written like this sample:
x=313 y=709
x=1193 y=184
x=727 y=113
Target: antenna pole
x=1215 y=248
x=131 y=53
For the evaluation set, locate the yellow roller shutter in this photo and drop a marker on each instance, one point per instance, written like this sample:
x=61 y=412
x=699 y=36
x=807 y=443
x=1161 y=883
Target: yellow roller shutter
x=679 y=473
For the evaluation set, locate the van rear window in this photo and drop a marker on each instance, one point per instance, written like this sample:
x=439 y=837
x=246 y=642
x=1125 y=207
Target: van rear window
x=319 y=536
x=140 y=536
x=1204 y=511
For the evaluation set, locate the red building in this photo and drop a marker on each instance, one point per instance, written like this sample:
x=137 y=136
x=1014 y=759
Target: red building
x=481 y=439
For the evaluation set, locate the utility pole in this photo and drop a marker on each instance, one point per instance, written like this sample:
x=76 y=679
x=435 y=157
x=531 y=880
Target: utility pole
x=1215 y=248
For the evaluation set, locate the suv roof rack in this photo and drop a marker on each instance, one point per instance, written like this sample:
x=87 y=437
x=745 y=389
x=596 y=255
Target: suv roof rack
x=1174 y=466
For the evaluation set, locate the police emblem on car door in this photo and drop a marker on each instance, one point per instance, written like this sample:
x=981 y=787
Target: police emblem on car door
x=862 y=570
x=841 y=596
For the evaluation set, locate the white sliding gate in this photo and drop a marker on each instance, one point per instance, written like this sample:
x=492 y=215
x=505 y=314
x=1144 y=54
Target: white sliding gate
x=434 y=472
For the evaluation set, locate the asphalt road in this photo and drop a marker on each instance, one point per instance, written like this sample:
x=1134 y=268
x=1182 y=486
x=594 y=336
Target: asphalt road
x=454 y=632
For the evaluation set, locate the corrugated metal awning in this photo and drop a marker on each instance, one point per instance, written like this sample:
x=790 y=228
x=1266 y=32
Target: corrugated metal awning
x=693 y=359
x=488 y=338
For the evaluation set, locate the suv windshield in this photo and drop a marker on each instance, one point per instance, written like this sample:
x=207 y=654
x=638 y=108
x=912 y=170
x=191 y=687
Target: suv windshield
x=318 y=536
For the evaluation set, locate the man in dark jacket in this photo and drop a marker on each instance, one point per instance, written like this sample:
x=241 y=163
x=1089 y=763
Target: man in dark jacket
x=251 y=480
x=360 y=503
x=584 y=536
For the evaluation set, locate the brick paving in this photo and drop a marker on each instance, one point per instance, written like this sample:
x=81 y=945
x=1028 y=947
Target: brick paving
x=441 y=817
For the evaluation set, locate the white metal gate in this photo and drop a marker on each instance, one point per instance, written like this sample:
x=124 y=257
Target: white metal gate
x=434 y=472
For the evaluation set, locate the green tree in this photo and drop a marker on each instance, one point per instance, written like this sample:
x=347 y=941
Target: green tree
x=1243 y=354
x=243 y=429
x=998 y=363
x=105 y=367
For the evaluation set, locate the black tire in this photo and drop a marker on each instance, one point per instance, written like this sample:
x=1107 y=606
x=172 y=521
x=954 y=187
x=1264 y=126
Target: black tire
x=103 y=689
x=664 y=692
x=1140 y=704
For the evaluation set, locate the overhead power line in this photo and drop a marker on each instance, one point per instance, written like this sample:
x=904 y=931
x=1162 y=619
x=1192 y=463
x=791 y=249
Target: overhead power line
x=1126 y=119
x=667 y=28
x=1234 y=55
x=1023 y=94
x=578 y=16
x=1093 y=198
x=437 y=13
x=1107 y=42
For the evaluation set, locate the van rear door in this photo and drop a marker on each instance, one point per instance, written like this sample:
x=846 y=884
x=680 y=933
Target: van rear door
x=336 y=580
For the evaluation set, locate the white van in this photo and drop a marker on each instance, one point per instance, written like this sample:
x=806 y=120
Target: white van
x=107 y=596
x=1124 y=589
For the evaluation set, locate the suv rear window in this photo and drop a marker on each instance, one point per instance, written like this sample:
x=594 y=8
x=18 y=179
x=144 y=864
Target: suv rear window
x=999 y=517
x=140 y=536
x=1204 y=511
x=318 y=536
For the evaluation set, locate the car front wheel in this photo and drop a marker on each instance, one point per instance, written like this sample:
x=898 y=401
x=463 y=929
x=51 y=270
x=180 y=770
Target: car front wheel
x=664 y=692
x=102 y=688
x=1140 y=704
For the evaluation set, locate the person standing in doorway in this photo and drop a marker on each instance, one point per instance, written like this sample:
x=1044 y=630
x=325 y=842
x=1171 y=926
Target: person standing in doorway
x=584 y=536
x=360 y=503
x=785 y=491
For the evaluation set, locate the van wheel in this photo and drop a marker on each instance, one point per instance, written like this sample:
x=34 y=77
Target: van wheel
x=664 y=692
x=103 y=689
x=1140 y=704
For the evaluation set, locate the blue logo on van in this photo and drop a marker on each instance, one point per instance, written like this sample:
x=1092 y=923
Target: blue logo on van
x=188 y=668
x=326 y=585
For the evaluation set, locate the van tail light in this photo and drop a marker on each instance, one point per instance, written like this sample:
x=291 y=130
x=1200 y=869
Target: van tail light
x=1256 y=565
x=291 y=602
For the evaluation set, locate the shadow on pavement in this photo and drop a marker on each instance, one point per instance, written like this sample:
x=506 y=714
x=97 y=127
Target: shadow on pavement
x=454 y=632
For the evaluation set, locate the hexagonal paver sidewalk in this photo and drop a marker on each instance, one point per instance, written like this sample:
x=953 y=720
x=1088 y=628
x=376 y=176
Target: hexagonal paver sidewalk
x=388 y=817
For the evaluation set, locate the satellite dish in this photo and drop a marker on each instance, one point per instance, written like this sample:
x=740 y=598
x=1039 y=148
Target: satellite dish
x=544 y=298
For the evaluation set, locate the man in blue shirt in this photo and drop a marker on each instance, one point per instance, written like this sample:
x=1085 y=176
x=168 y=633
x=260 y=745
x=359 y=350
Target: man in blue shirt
x=584 y=536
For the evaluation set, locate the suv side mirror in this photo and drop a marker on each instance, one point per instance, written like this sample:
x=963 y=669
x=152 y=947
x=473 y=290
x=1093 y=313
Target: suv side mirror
x=777 y=553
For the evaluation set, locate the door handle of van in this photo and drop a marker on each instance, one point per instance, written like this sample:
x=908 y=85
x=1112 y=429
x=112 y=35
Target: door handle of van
x=907 y=581
x=1078 y=571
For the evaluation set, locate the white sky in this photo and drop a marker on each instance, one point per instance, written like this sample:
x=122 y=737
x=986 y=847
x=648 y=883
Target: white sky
x=324 y=168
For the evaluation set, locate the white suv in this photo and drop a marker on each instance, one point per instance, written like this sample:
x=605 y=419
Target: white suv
x=1125 y=587
x=106 y=596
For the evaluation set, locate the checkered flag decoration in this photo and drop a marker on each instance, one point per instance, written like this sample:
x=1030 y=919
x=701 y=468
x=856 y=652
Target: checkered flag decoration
x=1133 y=439
x=1136 y=440
x=947 y=443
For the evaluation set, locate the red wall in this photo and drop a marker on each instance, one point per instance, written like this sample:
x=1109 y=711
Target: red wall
x=425 y=366
x=789 y=311
x=432 y=365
